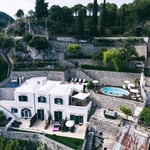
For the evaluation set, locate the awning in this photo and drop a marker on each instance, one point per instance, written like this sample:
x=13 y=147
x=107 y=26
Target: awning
x=81 y=96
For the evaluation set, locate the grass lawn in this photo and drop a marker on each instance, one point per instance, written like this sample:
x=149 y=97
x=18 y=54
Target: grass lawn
x=71 y=142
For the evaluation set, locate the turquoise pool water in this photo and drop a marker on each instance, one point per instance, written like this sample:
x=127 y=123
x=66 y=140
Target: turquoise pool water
x=114 y=91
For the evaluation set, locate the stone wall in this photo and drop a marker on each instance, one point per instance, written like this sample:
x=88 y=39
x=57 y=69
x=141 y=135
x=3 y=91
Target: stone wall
x=105 y=127
x=112 y=78
x=114 y=102
x=76 y=73
x=86 y=48
x=52 y=145
x=52 y=75
x=5 y=82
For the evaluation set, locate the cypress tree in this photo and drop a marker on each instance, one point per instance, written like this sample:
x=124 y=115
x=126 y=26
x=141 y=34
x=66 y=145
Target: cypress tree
x=95 y=20
x=103 y=19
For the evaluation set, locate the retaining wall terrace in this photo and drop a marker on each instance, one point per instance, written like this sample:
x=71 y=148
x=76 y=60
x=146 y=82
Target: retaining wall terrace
x=51 y=144
x=86 y=48
x=114 y=102
x=112 y=78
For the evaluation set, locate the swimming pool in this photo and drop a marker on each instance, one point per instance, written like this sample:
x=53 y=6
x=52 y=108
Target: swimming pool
x=114 y=91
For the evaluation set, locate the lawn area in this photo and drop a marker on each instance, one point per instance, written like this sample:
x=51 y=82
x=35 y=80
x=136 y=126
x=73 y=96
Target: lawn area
x=75 y=144
x=71 y=142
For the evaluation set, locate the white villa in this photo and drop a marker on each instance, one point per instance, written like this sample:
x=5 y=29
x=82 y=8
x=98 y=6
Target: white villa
x=46 y=98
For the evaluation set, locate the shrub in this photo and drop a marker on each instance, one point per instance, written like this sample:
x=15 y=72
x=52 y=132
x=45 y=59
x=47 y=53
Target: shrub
x=33 y=119
x=40 y=43
x=27 y=37
x=145 y=116
x=2 y=116
x=73 y=48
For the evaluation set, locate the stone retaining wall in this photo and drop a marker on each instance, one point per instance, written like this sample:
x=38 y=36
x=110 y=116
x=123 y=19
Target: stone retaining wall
x=51 y=144
x=86 y=48
x=105 y=127
x=114 y=102
x=52 y=75
x=112 y=78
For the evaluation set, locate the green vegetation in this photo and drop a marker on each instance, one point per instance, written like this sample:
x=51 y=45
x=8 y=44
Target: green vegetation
x=20 y=13
x=38 y=42
x=73 y=48
x=127 y=111
x=27 y=37
x=3 y=68
x=71 y=142
x=2 y=116
x=33 y=120
x=6 y=42
x=41 y=10
x=90 y=85
x=108 y=68
x=145 y=116
x=6 y=144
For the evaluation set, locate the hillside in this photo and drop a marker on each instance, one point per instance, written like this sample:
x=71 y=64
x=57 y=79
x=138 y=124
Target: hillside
x=4 y=20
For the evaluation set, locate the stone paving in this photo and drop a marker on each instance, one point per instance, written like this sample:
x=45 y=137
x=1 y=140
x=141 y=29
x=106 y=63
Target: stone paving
x=79 y=133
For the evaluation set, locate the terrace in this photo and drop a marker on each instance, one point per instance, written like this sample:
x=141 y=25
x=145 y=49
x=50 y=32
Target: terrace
x=39 y=127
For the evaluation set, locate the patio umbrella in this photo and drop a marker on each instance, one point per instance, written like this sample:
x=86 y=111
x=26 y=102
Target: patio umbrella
x=69 y=123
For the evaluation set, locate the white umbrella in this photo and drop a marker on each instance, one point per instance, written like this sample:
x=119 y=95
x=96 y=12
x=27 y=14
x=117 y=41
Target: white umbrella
x=127 y=81
x=69 y=123
x=134 y=90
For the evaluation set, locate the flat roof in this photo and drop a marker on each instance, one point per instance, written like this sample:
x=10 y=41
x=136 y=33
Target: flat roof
x=48 y=86
x=43 y=86
x=61 y=89
x=31 y=85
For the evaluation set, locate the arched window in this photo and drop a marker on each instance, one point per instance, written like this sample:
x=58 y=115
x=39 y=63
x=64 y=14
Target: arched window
x=58 y=101
x=42 y=99
x=23 y=98
x=25 y=113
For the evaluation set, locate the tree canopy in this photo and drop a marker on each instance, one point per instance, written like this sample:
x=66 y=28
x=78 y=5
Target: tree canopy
x=40 y=43
x=127 y=111
x=113 y=57
x=41 y=9
x=20 y=13
x=145 y=116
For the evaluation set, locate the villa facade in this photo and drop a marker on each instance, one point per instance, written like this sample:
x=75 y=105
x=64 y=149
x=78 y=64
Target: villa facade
x=46 y=98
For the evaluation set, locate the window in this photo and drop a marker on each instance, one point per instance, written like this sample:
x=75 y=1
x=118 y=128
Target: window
x=14 y=110
x=23 y=98
x=77 y=119
x=58 y=101
x=42 y=99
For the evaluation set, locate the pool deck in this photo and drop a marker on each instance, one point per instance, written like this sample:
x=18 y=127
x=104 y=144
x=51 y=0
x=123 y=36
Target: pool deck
x=130 y=96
